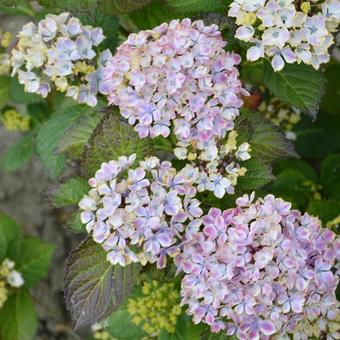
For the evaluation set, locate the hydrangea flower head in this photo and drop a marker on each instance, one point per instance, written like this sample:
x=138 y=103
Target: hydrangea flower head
x=178 y=76
x=287 y=31
x=259 y=270
x=137 y=214
x=50 y=53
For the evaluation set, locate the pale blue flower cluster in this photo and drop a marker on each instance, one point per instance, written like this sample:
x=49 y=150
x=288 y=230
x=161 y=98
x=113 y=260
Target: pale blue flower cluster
x=60 y=51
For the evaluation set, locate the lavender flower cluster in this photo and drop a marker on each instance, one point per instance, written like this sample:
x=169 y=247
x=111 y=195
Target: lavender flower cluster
x=259 y=270
x=178 y=76
x=60 y=51
x=287 y=30
x=137 y=214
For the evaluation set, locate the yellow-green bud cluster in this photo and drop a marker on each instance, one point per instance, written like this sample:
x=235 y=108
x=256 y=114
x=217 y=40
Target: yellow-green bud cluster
x=157 y=309
x=9 y=278
x=14 y=121
x=5 y=63
x=282 y=116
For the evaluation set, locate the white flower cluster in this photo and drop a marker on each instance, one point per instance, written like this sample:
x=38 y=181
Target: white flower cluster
x=287 y=30
x=60 y=50
x=217 y=168
x=9 y=277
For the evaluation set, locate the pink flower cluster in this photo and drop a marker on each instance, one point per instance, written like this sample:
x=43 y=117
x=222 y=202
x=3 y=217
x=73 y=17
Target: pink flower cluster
x=259 y=269
x=137 y=215
x=176 y=75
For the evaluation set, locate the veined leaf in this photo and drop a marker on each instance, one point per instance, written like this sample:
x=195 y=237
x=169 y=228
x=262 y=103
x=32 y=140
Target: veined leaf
x=196 y=6
x=18 y=320
x=70 y=192
x=19 y=95
x=330 y=176
x=50 y=134
x=326 y=210
x=266 y=140
x=119 y=7
x=298 y=85
x=34 y=260
x=18 y=154
x=93 y=287
x=9 y=232
x=78 y=134
x=113 y=137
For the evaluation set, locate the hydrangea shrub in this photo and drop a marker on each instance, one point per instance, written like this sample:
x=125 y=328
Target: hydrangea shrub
x=168 y=135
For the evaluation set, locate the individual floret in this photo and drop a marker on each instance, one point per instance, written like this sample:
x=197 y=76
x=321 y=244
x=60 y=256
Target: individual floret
x=137 y=214
x=260 y=270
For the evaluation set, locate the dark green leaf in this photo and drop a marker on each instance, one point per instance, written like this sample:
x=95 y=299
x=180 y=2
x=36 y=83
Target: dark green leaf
x=18 y=320
x=290 y=185
x=114 y=137
x=93 y=287
x=9 y=232
x=5 y=83
x=258 y=174
x=316 y=140
x=301 y=166
x=330 y=176
x=298 y=85
x=18 y=154
x=330 y=101
x=326 y=210
x=153 y=15
x=50 y=134
x=266 y=140
x=71 y=192
x=119 y=7
x=196 y=6
x=34 y=260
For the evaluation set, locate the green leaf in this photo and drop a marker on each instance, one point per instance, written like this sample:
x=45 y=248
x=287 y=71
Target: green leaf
x=317 y=139
x=299 y=165
x=74 y=223
x=298 y=85
x=119 y=7
x=196 y=6
x=34 y=260
x=326 y=210
x=70 y=192
x=185 y=330
x=77 y=135
x=93 y=287
x=113 y=137
x=18 y=320
x=19 y=95
x=267 y=142
x=50 y=134
x=76 y=7
x=18 y=154
x=153 y=15
x=290 y=186
x=330 y=101
x=9 y=233
x=120 y=326
x=5 y=83
x=330 y=176
x=258 y=174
